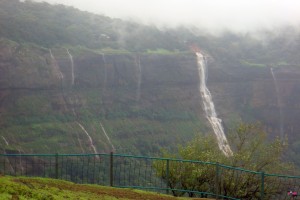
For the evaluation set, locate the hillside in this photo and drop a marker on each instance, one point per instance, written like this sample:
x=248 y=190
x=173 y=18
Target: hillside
x=76 y=82
x=104 y=91
x=41 y=188
x=47 y=25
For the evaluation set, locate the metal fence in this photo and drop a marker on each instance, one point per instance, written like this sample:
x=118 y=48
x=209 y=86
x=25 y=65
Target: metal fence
x=172 y=176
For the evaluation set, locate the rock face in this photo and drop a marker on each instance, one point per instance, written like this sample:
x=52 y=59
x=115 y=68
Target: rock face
x=251 y=93
x=41 y=107
x=143 y=101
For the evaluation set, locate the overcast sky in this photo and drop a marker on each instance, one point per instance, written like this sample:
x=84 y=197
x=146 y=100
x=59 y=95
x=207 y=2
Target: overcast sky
x=239 y=15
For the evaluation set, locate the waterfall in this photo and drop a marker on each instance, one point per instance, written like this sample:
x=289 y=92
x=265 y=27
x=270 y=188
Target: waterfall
x=56 y=66
x=7 y=158
x=105 y=72
x=209 y=107
x=20 y=162
x=103 y=58
x=70 y=101
x=139 y=77
x=6 y=142
x=90 y=138
x=72 y=67
x=108 y=139
x=279 y=103
x=91 y=143
x=52 y=57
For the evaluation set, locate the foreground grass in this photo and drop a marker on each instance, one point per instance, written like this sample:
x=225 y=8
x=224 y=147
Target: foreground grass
x=18 y=188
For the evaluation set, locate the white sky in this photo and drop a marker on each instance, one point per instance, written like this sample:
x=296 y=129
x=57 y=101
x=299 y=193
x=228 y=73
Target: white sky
x=238 y=15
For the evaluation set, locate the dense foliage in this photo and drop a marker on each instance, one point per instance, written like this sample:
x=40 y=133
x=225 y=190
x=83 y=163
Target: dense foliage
x=251 y=150
x=48 y=25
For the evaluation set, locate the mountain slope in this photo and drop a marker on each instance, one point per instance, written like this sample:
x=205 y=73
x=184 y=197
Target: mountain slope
x=74 y=82
x=128 y=99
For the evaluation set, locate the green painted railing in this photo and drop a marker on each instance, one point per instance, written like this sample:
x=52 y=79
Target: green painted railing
x=149 y=173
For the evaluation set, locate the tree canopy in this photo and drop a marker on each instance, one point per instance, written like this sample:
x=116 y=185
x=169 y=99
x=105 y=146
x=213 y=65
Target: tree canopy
x=252 y=151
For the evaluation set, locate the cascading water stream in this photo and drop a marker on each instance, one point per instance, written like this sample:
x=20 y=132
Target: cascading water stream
x=6 y=142
x=279 y=103
x=73 y=109
x=108 y=139
x=20 y=162
x=139 y=77
x=11 y=168
x=89 y=137
x=91 y=143
x=209 y=107
x=72 y=67
x=113 y=149
x=105 y=72
x=56 y=67
x=103 y=57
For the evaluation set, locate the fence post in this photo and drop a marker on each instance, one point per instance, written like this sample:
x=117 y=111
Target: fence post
x=56 y=165
x=217 y=180
x=262 y=187
x=168 y=174
x=111 y=170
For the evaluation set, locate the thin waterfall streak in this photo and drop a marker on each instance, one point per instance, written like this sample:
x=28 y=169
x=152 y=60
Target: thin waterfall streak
x=209 y=107
x=60 y=74
x=79 y=142
x=52 y=57
x=74 y=113
x=20 y=160
x=10 y=165
x=103 y=57
x=56 y=66
x=108 y=139
x=105 y=71
x=139 y=77
x=279 y=104
x=6 y=142
x=89 y=137
x=73 y=109
x=84 y=130
x=72 y=67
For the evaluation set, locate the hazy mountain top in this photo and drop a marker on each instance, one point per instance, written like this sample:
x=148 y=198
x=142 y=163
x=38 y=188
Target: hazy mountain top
x=57 y=25
x=213 y=16
x=47 y=25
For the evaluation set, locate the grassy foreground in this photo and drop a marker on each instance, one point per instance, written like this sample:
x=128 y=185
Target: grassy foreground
x=18 y=188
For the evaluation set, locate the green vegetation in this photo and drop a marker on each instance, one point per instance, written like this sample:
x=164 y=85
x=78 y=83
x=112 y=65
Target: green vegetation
x=162 y=51
x=42 y=188
x=47 y=25
x=251 y=151
x=249 y=64
x=40 y=112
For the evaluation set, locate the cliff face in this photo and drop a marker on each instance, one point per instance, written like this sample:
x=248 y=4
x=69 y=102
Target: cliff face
x=254 y=94
x=55 y=101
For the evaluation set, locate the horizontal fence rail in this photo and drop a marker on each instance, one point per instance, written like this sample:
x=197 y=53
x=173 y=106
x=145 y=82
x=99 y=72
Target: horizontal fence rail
x=152 y=173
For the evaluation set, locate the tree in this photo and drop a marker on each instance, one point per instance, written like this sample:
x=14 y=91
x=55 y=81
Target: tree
x=252 y=151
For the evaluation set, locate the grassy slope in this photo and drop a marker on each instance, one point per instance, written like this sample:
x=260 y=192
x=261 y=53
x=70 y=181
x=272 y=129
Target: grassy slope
x=41 y=188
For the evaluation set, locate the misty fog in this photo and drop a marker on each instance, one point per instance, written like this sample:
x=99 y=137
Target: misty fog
x=213 y=16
